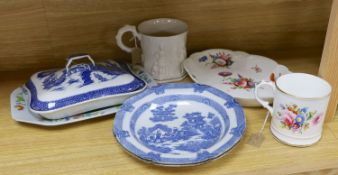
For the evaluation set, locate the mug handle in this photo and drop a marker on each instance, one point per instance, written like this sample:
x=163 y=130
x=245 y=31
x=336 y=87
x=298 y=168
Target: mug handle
x=265 y=104
x=121 y=32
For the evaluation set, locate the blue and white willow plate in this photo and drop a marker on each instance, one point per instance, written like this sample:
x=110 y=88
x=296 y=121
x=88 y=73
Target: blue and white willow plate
x=179 y=124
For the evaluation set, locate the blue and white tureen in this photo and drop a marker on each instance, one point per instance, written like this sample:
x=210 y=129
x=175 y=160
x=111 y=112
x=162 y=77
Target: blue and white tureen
x=80 y=88
x=179 y=124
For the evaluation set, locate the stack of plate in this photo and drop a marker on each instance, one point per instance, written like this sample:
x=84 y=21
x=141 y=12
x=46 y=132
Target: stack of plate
x=179 y=124
x=75 y=93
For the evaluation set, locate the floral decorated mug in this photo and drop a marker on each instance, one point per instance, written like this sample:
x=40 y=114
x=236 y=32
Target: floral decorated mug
x=299 y=107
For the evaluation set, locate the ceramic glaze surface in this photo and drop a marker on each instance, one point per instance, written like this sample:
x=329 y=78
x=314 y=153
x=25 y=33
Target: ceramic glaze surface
x=21 y=113
x=54 y=89
x=179 y=124
x=234 y=72
x=297 y=119
x=162 y=56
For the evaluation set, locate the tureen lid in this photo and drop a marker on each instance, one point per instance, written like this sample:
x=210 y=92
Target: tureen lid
x=54 y=89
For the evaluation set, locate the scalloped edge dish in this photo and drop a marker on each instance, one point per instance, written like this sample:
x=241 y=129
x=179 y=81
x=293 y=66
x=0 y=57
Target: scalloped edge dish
x=234 y=72
x=177 y=99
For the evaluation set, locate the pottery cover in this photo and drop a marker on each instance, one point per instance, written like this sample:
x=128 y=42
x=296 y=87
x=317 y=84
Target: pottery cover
x=54 y=89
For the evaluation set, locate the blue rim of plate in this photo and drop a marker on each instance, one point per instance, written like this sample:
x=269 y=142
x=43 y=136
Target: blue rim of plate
x=155 y=158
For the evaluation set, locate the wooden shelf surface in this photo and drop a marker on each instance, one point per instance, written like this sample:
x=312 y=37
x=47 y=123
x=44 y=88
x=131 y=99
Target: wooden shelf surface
x=88 y=147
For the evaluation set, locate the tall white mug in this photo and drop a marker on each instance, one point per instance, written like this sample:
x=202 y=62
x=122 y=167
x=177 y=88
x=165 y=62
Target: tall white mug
x=163 y=43
x=299 y=107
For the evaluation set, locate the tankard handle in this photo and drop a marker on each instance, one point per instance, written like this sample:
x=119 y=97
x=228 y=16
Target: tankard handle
x=121 y=32
x=264 y=103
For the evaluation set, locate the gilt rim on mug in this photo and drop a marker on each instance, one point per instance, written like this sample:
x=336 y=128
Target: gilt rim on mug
x=305 y=98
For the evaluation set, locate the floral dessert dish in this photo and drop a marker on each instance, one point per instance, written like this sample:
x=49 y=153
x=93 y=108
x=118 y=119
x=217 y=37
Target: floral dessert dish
x=234 y=72
x=79 y=88
x=179 y=124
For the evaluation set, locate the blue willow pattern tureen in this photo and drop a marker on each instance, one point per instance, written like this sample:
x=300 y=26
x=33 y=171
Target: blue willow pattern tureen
x=81 y=83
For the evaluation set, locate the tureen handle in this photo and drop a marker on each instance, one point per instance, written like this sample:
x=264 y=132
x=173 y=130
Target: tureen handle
x=77 y=57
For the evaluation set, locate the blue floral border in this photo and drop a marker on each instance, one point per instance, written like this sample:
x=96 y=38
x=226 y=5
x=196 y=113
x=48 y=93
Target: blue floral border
x=127 y=106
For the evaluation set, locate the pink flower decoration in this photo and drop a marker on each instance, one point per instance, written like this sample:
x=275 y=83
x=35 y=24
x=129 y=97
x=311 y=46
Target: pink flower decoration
x=242 y=83
x=316 y=120
x=295 y=126
x=220 y=62
x=289 y=119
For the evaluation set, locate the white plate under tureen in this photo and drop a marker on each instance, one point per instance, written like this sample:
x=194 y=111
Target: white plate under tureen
x=20 y=109
x=179 y=124
x=80 y=88
x=234 y=72
x=21 y=113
